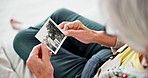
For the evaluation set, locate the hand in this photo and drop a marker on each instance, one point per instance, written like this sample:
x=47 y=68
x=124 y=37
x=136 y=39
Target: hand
x=39 y=62
x=77 y=30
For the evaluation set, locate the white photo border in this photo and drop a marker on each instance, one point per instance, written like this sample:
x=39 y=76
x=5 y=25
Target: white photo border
x=57 y=49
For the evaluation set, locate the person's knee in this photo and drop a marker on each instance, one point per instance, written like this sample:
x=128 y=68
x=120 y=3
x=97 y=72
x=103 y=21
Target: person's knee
x=60 y=11
x=60 y=15
x=24 y=41
x=18 y=42
x=19 y=38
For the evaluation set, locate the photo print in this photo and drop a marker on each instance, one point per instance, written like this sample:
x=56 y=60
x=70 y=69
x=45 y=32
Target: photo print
x=52 y=35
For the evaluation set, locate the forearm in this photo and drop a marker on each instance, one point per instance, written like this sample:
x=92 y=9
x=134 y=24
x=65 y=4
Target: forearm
x=48 y=76
x=101 y=38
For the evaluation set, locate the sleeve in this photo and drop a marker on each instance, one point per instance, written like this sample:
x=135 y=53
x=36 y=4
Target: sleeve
x=118 y=45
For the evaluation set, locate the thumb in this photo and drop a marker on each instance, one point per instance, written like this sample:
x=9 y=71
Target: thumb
x=35 y=50
x=72 y=32
x=45 y=52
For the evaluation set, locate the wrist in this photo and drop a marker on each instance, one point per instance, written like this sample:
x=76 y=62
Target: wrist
x=101 y=38
x=45 y=76
x=96 y=36
x=48 y=76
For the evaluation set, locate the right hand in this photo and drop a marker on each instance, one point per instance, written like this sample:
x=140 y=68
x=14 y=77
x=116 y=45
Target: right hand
x=39 y=61
x=77 y=30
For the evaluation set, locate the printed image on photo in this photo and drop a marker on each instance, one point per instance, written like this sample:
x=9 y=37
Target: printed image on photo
x=54 y=36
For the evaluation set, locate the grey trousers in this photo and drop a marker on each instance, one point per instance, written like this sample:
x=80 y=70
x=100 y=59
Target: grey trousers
x=74 y=59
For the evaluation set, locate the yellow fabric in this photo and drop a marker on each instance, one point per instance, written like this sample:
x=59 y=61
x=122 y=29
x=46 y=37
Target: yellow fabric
x=128 y=55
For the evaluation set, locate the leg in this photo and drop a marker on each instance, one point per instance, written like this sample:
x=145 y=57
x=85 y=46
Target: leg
x=24 y=41
x=78 y=47
x=92 y=65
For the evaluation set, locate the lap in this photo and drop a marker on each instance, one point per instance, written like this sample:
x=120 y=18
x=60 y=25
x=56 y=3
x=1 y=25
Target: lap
x=67 y=65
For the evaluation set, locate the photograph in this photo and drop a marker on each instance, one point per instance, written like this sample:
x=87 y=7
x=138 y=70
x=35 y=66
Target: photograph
x=52 y=35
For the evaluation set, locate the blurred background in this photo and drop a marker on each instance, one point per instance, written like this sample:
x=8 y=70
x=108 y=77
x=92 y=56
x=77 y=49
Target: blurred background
x=31 y=12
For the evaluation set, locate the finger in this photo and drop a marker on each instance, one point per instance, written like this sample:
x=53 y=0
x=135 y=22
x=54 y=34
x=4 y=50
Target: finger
x=71 y=25
x=76 y=25
x=80 y=25
x=61 y=25
x=45 y=52
x=66 y=26
x=50 y=53
x=72 y=32
x=36 y=49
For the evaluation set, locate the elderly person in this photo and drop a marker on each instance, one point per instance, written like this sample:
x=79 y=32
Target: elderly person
x=75 y=59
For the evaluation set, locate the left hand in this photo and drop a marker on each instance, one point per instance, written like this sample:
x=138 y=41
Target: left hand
x=77 y=30
x=39 y=62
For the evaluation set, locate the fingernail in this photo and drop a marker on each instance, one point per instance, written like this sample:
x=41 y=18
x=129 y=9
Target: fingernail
x=50 y=52
x=43 y=43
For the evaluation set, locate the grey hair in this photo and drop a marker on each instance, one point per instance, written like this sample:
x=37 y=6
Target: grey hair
x=130 y=19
